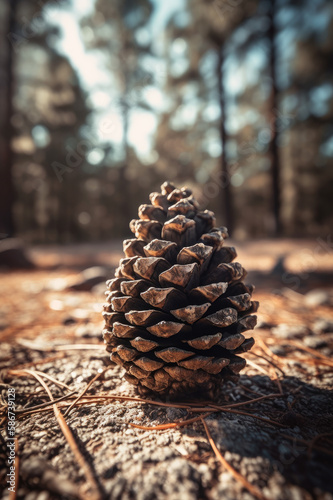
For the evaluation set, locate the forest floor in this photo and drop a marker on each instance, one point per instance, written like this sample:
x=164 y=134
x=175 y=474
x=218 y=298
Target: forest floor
x=269 y=436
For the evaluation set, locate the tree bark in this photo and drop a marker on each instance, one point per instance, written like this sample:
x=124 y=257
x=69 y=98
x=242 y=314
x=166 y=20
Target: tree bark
x=6 y=153
x=227 y=210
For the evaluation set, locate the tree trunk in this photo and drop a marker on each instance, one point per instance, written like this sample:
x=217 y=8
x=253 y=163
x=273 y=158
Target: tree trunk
x=125 y=198
x=227 y=211
x=6 y=154
x=273 y=148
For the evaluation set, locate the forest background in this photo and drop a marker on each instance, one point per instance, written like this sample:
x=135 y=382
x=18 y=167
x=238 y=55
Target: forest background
x=102 y=101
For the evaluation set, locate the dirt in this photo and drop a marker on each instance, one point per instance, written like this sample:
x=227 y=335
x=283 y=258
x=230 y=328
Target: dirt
x=47 y=326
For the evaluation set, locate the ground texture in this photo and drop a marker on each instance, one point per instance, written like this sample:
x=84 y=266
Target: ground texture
x=280 y=445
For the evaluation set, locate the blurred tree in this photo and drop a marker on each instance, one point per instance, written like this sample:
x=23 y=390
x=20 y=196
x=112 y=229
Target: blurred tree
x=196 y=80
x=307 y=96
x=6 y=157
x=245 y=83
x=253 y=142
x=119 y=37
x=47 y=110
x=267 y=56
x=273 y=110
x=218 y=22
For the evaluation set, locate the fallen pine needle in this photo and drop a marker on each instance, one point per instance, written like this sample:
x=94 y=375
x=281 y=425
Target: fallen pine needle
x=61 y=347
x=315 y=353
x=268 y=361
x=309 y=361
x=255 y=400
x=95 y=399
x=74 y=347
x=266 y=420
x=162 y=427
x=60 y=355
x=247 y=389
x=260 y=343
x=85 y=389
x=44 y=405
x=186 y=406
x=258 y=367
x=241 y=479
x=95 y=493
x=278 y=383
x=308 y=443
x=320 y=359
x=315 y=439
x=41 y=374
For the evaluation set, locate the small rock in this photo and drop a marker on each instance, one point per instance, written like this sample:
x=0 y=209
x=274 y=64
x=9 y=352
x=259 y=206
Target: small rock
x=87 y=331
x=287 y=331
x=89 y=278
x=36 y=471
x=317 y=297
x=68 y=321
x=314 y=342
x=80 y=313
x=56 y=305
x=13 y=255
x=95 y=272
x=44 y=495
x=323 y=326
x=264 y=325
x=99 y=289
x=31 y=496
x=175 y=413
x=56 y=284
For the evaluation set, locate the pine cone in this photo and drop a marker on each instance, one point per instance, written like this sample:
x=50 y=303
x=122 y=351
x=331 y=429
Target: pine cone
x=177 y=308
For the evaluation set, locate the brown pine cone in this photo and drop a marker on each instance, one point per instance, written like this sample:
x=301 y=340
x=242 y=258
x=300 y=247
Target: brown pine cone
x=177 y=308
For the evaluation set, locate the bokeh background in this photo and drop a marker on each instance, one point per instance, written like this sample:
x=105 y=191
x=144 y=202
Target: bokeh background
x=102 y=101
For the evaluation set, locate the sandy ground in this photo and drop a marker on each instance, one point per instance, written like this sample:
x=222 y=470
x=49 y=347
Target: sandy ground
x=47 y=324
